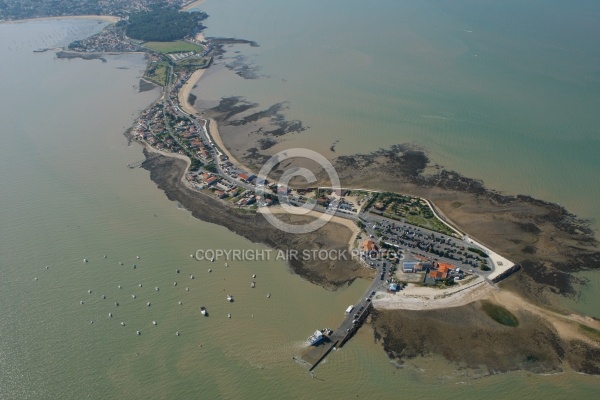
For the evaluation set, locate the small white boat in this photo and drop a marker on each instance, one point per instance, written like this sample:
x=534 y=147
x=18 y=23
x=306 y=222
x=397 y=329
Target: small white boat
x=133 y=296
x=154 y=323
x=209 y=270
x=148 y=304
x=81 y=302
x=35 y=279
x=109 y=315
x=91 y=322
x=174 y=283
x=134 y=266
x=191 y=256
x=138 y=257
x=119 y=286
x=228 y=315
x=46 y=267
x=105 y=256
x=212 y=260
x=191 y=276
x=140 y=285
x=187 y=289
x=229 y=298
x=203 y=311
x=179 y=302
x=123 y=323
x=89 y=290
x=138 y=332
x=268 y=295
x=227 y=265
x=156 y=288
x=253 y=284
x=253 y=275
x=85 y=260
x=177 y=333
x=177 y=270
x=117 y=303
x=103 y=296
x=120 y=262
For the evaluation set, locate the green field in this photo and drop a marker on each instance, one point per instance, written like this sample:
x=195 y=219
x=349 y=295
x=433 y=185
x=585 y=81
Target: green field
x=157 y=73
x=499 y=314
x=178 y=46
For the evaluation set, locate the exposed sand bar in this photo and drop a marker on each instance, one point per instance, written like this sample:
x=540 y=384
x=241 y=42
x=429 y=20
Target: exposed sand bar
x=184 y=92
x=192 y=5
x=107 y=18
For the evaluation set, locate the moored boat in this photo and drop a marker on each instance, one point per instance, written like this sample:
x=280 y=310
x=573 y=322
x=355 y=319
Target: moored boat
x=315 y=338
x=203 y=311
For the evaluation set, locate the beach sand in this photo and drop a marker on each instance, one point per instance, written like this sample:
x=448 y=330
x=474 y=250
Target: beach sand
x=193 y=4
x=186 y=89
x=107 y=18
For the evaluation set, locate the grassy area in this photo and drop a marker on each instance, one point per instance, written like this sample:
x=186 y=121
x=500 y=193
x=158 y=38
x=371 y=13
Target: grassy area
x=410 y=209
x=591 y=332
x=178 y=46
x=157 y=73
x=499 y=314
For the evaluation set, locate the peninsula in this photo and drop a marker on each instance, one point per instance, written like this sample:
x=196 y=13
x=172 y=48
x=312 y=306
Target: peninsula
x=437 y=248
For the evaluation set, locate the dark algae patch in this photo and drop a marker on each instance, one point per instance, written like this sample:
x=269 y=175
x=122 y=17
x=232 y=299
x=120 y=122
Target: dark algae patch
x=499 y=314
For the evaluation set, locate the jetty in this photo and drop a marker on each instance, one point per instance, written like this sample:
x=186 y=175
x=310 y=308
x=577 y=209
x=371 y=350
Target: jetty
x=313 y=355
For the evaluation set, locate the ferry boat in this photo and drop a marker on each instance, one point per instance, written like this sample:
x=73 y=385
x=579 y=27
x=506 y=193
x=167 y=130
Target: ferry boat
x=203 y=311
x=315 y=338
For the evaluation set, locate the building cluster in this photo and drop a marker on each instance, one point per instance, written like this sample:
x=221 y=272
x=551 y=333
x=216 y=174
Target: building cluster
x=12 y=10
x=110 y=39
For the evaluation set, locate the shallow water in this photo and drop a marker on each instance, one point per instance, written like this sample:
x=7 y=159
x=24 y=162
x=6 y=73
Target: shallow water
x=504 y=91
x=68 y=195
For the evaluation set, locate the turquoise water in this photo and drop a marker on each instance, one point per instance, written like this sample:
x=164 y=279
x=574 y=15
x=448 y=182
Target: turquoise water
x=504 y=91
x=67 y=195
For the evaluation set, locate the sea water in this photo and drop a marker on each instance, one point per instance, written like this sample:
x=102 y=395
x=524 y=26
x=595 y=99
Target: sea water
x=68 y=195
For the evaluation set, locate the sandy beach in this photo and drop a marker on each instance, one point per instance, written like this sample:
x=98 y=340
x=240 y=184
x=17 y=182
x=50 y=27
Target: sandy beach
x=193 y=4
x=107 y=18
x=184 y=92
